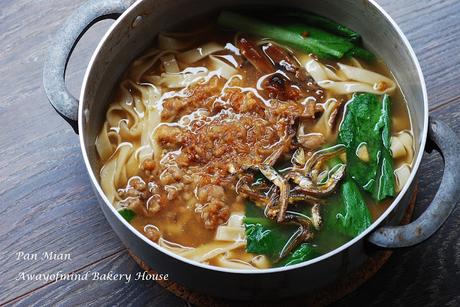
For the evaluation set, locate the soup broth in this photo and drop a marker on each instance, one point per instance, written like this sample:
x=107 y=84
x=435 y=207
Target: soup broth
x=235 y=149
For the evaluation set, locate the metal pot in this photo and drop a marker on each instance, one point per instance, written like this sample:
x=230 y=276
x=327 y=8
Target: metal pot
x=133 y=31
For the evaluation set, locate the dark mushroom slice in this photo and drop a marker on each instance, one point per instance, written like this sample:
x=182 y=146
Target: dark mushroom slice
x=260 y=195
x=298 y=195
x=300 y=81
x=277 y=85
x=280 y=86
x=303 y=234
x=322 y=156
x=280 y=57
x=245 y=185
x=253 y=54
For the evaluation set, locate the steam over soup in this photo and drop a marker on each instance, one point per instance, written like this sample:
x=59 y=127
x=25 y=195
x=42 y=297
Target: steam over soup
x=251 y=143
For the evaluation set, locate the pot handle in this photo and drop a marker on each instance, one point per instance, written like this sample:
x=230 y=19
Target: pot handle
x=61 y=48
x=448 y=145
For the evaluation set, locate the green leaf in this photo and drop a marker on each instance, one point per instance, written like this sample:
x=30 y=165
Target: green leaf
x=325 y=23
x=361 y=53
x=367 y=121
x=304 y=252
x=331 y=41
x=127 y=214
x=258 y=27
x=264 y=236
x=353 y=216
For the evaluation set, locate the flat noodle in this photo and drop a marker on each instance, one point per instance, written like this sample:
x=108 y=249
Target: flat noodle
x=167 y=42
x=104 y=145
x=174 y=247
x=348 y=79
x=113 y=173
x=196 y=54
x=228 y=233
x=169 y=63
x=324 y=123
x=146 y=62
x=225 y=262
x=261 y=262
x=221 y=67
x=402 y=174
x=236 y=219
x=148 y=140
x=356 y=62
x=208 y=251
x=124 y=122
x=367 y=76
x=183 y=78
x=348 y=87
x=178 y=40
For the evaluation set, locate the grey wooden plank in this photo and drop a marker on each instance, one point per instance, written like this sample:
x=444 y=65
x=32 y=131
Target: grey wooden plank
x=46 y=201
x=432 y=28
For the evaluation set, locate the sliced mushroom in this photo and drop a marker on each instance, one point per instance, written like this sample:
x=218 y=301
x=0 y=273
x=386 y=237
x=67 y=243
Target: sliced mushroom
x=280 y=57
x=252 y=53
x=303 y=234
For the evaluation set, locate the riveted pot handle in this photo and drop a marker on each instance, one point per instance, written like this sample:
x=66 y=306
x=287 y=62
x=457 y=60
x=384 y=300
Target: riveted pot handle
x=61 y=48
x=444 y=201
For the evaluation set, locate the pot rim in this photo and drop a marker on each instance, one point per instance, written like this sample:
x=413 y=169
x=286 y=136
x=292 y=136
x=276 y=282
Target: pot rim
x=376 y=223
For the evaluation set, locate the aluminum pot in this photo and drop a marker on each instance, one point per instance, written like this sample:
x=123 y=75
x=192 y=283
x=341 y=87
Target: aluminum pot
x=134 y=30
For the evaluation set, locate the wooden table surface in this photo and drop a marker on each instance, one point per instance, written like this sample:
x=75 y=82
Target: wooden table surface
x=47 y=203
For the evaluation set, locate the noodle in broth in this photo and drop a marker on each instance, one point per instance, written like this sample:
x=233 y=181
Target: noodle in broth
x=193 y=124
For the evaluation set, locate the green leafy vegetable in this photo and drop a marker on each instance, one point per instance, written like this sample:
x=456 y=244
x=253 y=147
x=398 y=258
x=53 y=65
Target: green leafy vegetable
x=367 y=123
x=325 y=23
x=349 y=214
x=304 y=252
x=333 y=41
x=353 y=216
x=127 y=214
x=254 y=26
x=264 y=236
x=361 y=53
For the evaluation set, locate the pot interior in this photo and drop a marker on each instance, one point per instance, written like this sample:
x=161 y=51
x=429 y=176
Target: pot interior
x=138 y=27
